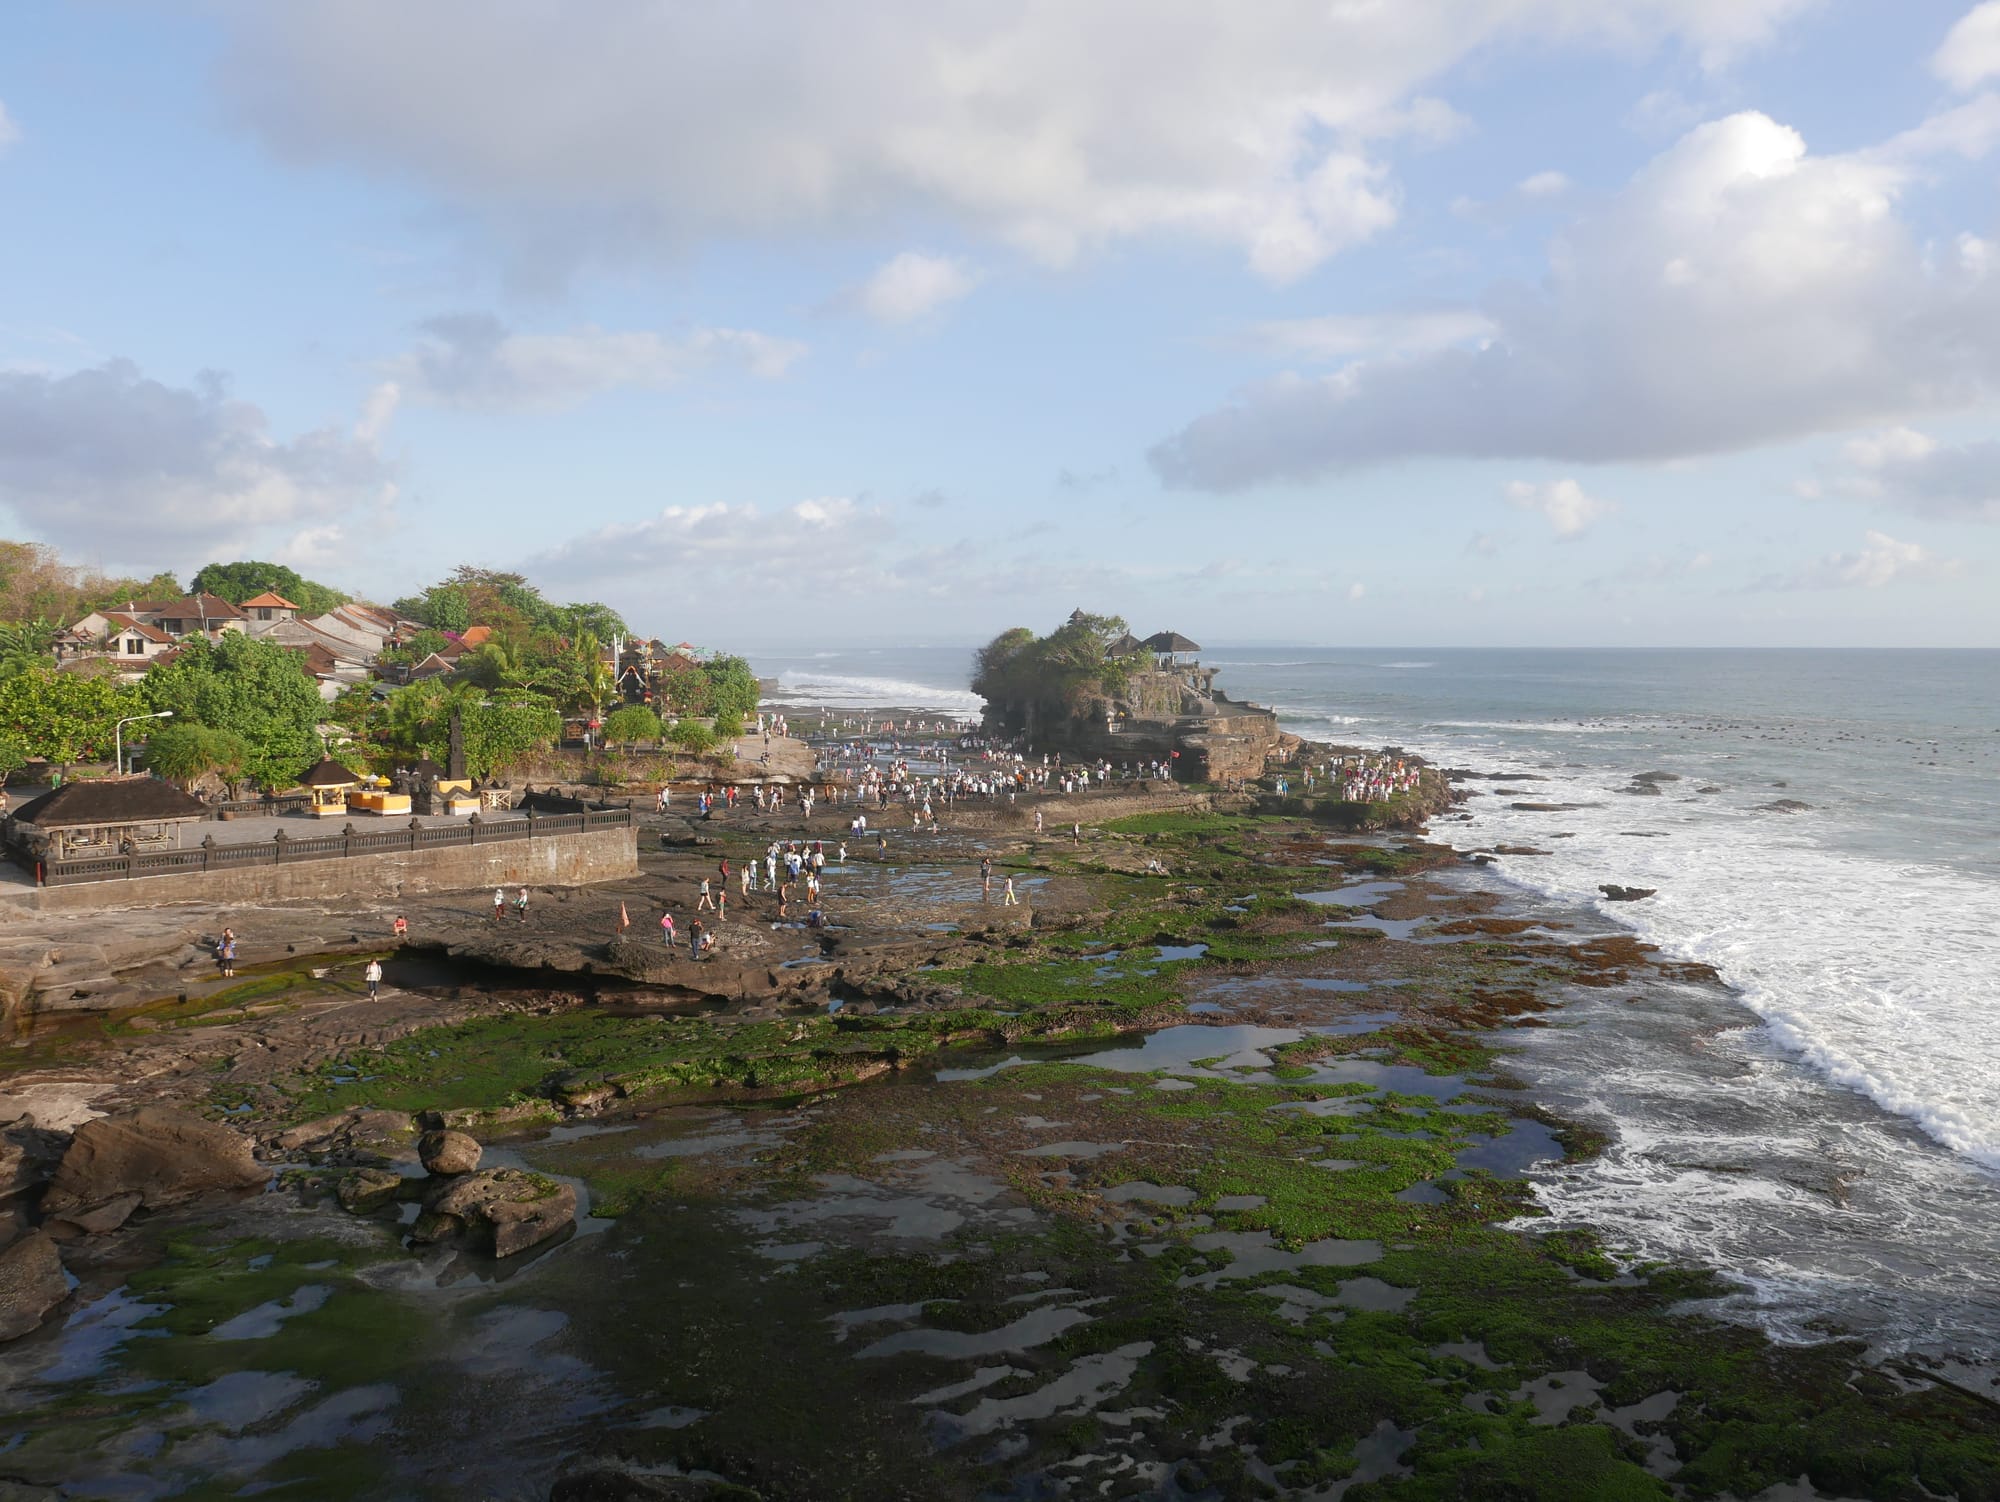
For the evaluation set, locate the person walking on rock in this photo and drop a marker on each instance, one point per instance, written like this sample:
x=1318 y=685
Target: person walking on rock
x=521 y=906
x=499 y=904
x=1010 y=900
x=667 y=929
x=373 y=975
x=707 y=903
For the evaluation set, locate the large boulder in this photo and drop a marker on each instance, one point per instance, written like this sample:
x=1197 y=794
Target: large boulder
x=580 y=1091
x=507 y=1209
x=161 y=1155
x=31 y=1284
x=447 y=1153
x=368 y=1189
x=1615 y=893
x=358 y=1135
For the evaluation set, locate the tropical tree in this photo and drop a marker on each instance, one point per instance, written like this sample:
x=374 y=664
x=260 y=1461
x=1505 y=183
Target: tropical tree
x=237 y=582
x=62 y=717
x=692 y=736
x=26 y=644
x=630 y=723
x=13 y=754
x=251 y=687
x=733 y=686
x=182 y=751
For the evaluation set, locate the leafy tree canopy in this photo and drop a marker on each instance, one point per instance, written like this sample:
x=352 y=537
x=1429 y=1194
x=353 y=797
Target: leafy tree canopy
x=64 y=717
x=251 y=687
x=631 y=722
x=237 y=582
x=416 y=649
x=36 y=584
x=1063 y=670
x=499 y=731
x=471 y=596
x=182 y=751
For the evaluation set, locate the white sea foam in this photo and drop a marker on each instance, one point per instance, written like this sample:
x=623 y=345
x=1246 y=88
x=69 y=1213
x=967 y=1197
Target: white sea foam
x=841 y=691
x=1883 y=976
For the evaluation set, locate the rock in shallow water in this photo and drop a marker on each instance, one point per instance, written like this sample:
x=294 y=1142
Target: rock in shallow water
x=31 y=1284
x=161 y=1155
x=507 y=1208
x=447 y=1153
x=360 y=1134
x=368 y=1189
x=1615 y=893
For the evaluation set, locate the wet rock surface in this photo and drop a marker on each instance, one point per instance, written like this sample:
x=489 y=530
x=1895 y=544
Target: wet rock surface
x=31 y=1283
x=1156 y=1186
x=446 y=1152
x=155 y=1156
x=506 y=1210
x=1615 y=893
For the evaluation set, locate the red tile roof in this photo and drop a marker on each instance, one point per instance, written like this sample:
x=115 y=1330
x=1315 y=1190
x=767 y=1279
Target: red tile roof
x=125 y=622
x=269 y=601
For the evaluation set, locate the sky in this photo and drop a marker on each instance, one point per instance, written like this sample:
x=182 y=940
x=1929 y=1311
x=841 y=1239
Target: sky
x=1339 y=322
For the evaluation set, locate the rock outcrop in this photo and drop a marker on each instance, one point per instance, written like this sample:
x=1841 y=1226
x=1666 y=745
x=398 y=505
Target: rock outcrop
x=505 y=1210
x=31 y=1283
x=1615 y=893
x=149 y=1158
x=447 y=1153
x=367 y=1189
x=359 y=1135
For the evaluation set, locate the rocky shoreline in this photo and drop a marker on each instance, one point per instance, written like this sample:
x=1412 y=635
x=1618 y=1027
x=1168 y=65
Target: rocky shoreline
x=1199 y=1174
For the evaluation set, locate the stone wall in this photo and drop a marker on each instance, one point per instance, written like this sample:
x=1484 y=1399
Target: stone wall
x=547 y=860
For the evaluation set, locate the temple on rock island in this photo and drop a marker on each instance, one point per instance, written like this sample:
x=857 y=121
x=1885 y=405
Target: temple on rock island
x=1091 y=689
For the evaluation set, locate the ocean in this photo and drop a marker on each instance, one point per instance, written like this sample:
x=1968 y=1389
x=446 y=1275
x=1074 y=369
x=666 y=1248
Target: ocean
x=1825 y=834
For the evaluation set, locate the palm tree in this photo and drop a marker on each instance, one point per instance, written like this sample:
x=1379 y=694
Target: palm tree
x=25 y=644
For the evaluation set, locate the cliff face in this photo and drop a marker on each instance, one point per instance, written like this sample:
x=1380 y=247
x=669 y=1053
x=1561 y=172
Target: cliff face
x=1216 y=738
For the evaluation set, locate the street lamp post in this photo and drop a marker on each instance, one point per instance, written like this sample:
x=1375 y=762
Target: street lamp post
x=118 y=735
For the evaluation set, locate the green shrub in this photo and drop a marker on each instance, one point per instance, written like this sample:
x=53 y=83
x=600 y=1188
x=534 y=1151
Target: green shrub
x=692 y=736
x=630 y=723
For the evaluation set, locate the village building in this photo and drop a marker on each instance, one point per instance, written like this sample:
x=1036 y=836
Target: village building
x=262 y=612
x=327 y=786
x=124 y=641
x=103 y=816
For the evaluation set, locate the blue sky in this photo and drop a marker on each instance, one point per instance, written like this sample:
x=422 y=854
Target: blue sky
x=1490 y=322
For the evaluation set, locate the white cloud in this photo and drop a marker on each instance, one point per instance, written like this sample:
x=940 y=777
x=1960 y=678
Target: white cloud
x=1971 y=51
x=1913 y=472
x=1543 y=185
x=1563 y=504
x=1356 y=592
x=105 y=459
x=912 y=285
x=628 y=126
x=377 y=411
x=474 y=360
x=1739 y=290
x=827 y=541
x=1882 y=560
x=9 y=131
x=1341 y=337
x=1483 y=545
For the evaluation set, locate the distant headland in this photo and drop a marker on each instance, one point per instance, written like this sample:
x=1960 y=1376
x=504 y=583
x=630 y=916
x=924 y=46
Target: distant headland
x=1091 y=688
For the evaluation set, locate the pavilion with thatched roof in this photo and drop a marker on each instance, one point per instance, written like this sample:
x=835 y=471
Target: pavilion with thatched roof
x=1173 y=649
x=105 y=816
x=1126 y=645
x=328 y=784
